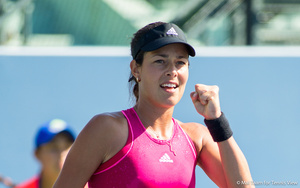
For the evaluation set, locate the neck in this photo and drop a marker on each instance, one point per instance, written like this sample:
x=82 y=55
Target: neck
x=159 y=120
x=47 y=180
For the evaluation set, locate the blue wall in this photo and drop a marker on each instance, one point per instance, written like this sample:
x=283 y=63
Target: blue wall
x=259 y=95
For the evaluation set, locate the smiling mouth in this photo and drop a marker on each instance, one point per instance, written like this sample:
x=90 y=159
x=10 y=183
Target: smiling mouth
x=169 y=86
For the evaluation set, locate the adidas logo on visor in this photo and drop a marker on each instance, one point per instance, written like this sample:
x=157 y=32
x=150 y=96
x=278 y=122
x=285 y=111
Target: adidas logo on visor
x=172 y=31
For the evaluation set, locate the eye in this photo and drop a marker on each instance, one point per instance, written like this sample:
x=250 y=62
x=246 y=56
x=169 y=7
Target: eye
x=182 y=63
x=159 y=61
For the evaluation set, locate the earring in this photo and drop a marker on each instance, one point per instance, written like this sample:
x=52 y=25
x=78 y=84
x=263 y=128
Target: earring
x=137 y=79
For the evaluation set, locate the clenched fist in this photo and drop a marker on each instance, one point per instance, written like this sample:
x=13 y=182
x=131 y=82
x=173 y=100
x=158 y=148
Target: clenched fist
x=206 y=101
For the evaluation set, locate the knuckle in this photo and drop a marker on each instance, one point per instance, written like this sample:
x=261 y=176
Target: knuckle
x=215 y=88
x=198 y=86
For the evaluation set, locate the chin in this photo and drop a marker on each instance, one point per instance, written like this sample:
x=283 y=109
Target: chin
x=170 y=103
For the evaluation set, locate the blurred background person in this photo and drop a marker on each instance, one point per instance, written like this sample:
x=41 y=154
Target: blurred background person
x=7 y=181
x=52 y=143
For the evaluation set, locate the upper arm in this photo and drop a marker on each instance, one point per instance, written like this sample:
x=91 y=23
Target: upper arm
x=92 y=147
x=208 y=152
x=209 y=160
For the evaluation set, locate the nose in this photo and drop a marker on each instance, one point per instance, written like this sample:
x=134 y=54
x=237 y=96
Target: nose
x=171 y=70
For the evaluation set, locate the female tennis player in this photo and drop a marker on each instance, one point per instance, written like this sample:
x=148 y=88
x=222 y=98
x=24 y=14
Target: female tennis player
x=144 y=146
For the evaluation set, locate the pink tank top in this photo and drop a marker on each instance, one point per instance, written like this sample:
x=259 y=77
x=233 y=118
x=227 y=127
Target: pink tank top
x=148 y=162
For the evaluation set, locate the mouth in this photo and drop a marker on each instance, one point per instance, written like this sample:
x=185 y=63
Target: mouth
x=169 y=86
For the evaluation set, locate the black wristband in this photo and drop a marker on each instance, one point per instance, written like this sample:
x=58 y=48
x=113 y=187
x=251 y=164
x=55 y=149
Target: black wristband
x=219 y=128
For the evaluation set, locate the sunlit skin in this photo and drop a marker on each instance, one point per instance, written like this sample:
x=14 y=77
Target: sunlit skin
x=162 y=78
x=52 y=156
x=167 y=65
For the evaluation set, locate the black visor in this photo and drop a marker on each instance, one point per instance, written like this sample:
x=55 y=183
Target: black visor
x=160 y=36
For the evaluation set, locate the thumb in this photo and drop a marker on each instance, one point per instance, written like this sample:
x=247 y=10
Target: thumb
x=194 y=96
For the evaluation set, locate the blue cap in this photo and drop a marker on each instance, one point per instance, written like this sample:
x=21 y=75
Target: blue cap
x=48 y=130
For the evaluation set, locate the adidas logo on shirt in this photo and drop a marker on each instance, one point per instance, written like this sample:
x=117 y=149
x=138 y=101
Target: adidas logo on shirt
x=165 y=159
x=172 y=31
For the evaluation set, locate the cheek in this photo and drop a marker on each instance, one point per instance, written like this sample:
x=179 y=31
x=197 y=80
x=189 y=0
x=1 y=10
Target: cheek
x=151 y=72
x=51 y=157
x=183 y=75
x=149 y=78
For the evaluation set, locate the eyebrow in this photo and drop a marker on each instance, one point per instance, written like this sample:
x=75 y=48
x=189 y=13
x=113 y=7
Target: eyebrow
x=166 y=56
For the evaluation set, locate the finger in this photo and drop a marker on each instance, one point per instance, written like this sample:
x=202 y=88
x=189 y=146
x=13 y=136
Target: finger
x=206 y=97
x=194 y=96
x=201 y=96
x=212 y=90
x=200 y=88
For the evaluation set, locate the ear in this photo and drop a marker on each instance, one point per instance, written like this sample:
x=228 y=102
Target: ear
x=135 y=69
x=36 y=154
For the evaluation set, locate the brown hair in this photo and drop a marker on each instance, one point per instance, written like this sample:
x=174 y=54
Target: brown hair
x=140 y=56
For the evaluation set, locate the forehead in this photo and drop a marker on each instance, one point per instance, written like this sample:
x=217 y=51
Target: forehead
x=62 y=137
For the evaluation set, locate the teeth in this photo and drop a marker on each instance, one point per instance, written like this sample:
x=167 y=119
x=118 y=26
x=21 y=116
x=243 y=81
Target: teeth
x=168 y=85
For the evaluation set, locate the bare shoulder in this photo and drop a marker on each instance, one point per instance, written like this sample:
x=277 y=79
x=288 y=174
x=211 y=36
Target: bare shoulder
x=109 y=121
x=108 y=126
x=196 y=131
x=105 y=134
x=102 y=137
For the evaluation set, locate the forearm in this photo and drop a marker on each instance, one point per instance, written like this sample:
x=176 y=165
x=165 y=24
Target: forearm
x=229 y=158
x=234 y=164
x=233 y=161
